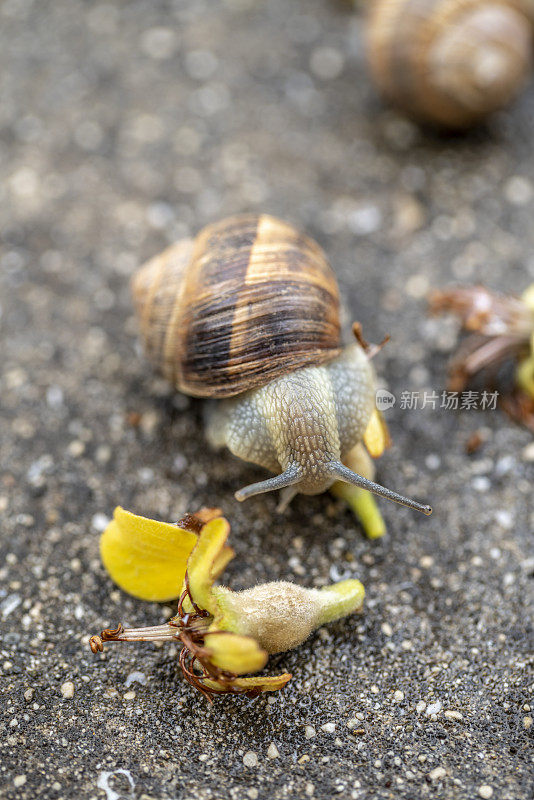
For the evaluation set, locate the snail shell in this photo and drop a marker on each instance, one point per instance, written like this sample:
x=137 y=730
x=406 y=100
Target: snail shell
x=450 y=62
x=246 y=301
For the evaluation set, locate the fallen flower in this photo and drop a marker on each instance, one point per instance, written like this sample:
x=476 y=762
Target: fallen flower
x=224 y=634
x=503 y=329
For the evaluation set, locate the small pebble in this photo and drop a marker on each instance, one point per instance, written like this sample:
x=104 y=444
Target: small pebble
x=437 y=774
x=433 y=461
x=454 y=715
x=328 y=727
x=158 y=43
x=76 y=448
x=398 y=696
x=309 y=731
x=481 y=483
x=99 y=522
x=9 y=604
x=135 y=677
x=485 y=791
x=326 y=63
x=504 y=518
x=28 y=694
x=272 y=751
x=433 y=708
x=19 y=781
x=67 y=690
x=250 y=759
x=518 y=190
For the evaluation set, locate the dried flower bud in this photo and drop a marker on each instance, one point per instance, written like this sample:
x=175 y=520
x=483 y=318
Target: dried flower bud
x=224 y=634
x=503 y=328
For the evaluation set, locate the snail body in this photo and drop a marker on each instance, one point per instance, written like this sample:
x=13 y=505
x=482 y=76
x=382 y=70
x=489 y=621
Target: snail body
x=248 y=312
x=450 y=62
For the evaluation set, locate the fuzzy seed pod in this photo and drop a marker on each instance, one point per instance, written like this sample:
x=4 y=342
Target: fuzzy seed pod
x=281 y=615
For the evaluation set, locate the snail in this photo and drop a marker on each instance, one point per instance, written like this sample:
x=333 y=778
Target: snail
x=450 y=62
x=248 y=313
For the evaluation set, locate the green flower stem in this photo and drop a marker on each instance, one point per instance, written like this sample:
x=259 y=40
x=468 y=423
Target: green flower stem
x=364 y=507
x=340 y=599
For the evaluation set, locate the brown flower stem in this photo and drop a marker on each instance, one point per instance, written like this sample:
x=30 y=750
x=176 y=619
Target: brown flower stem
x=190 y=630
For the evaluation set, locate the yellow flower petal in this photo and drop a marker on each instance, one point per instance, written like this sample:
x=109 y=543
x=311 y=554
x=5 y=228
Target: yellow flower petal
x=271 y=683
x=234 y=653
x=144 y=557
x=221 y=561
x=207 y=560
x=528 y=296
x=525 y=375
x=376 y=437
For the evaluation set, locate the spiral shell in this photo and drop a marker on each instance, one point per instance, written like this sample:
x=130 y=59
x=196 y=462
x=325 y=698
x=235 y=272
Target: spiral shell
x=246 y=301
x=450 y=62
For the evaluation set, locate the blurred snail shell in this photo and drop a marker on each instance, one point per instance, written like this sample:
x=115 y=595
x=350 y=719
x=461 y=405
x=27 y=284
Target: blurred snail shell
x=450 y=62
x=249 y=311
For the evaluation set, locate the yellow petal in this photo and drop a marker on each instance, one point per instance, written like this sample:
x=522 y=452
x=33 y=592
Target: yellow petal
x=221 y=561
x=234 y=653
x=144 y=557
x=205 y=562
x=271 y=683
x=528 y=296
x=376 y=437
x=525 y=375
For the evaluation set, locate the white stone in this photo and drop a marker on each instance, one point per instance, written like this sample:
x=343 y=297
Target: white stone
x=518 y=190
x=158 y=43
x=454 y=715
x=135 y=677
x=326 y=63
x=437 y=774
x=272 y=751
x=67 y=690
x=328 y=727
x=485 y=791
x=99 y=522
x=250 y=759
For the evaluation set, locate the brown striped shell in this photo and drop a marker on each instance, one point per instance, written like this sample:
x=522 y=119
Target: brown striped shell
x=246 y=301
x=450 y=62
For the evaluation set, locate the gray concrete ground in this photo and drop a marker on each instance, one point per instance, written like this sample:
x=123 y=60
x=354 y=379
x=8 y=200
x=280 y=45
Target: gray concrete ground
x=123 y=127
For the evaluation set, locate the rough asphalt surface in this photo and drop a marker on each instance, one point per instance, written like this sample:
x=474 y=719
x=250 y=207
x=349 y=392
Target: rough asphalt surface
x=123 y=127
